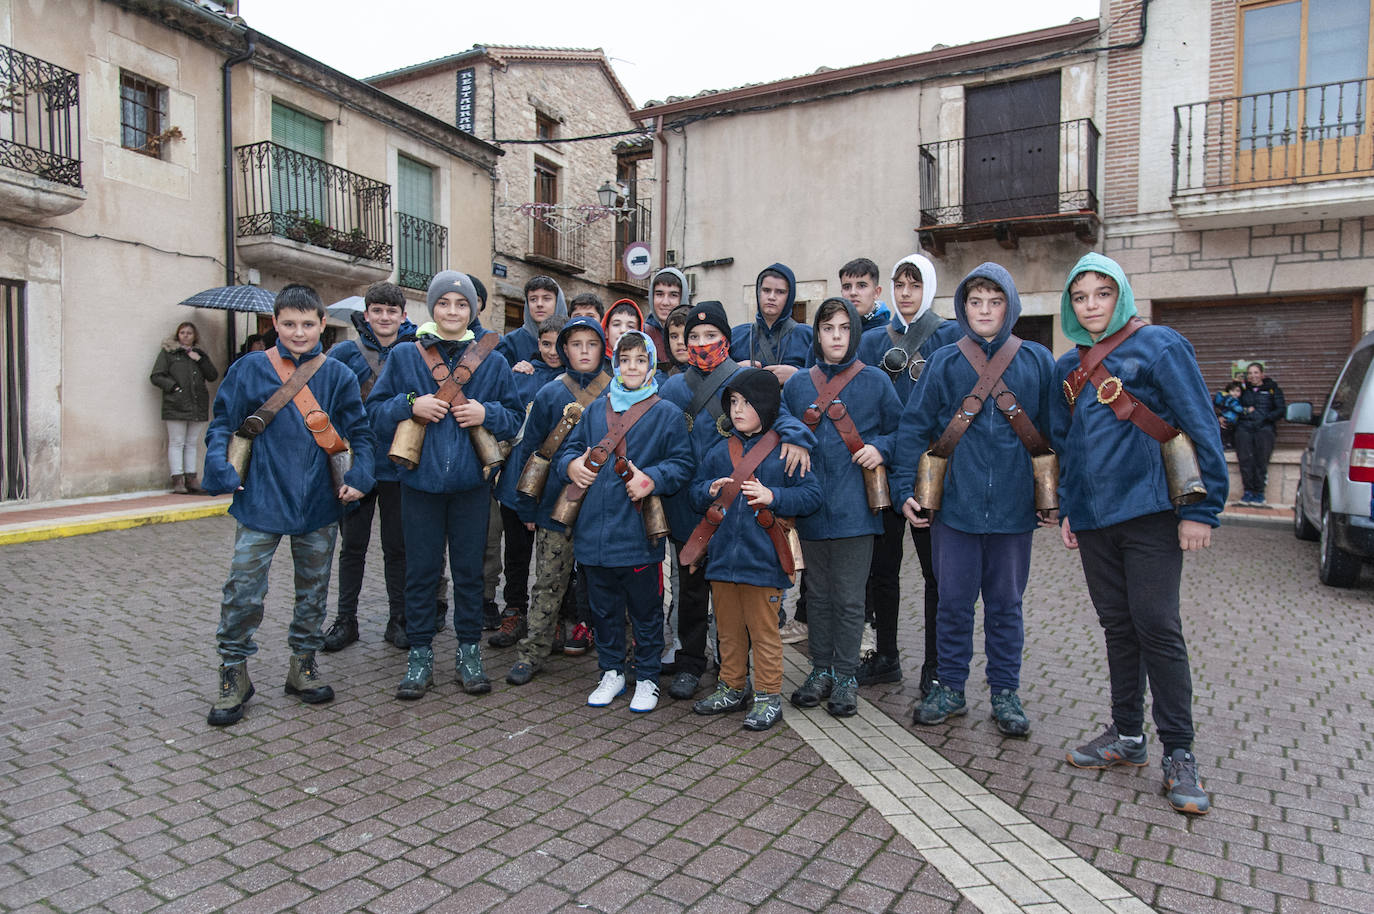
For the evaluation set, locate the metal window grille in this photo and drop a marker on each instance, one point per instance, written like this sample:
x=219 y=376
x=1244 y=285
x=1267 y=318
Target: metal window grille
x=142 y=113
x=14 y=470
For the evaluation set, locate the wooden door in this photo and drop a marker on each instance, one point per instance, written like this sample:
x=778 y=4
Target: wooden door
x=1011 y=149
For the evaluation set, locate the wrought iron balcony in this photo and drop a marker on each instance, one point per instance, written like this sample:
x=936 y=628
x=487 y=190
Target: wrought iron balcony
x=1305 y=134
x=421 y=251
x=40 y=118
x=291 y=195
x=1028 y=181
x=558 y=238
x=636 y=226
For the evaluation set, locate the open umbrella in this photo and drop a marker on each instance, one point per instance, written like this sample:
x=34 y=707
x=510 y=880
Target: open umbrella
x=233 y=298
x=341 y=310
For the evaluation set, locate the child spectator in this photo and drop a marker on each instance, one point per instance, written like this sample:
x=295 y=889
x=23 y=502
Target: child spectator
x=774 y=340
x=851 y=409
x=543 y=299
x=751 y=558
x=588 y=304
x=1117 y=512
x=629 y=444
x=288 y=490
x=581 y=350
x=381 y=325
x=444 y=497
x=623 y=315
x=1227 y=404
x=981 y=535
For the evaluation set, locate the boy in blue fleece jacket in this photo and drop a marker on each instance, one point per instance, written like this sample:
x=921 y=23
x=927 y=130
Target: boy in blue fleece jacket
x=981 y=536
x=774 y=340
x=543 y=299
x=1115 y=510
x=381 y=325
x=288 y=491
x=837 y=539
x=745 y=571
x=620 y=563
x=444 y=499
x=581 y=350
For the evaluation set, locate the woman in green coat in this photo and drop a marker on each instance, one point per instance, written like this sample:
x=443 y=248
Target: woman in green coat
x=181 y=373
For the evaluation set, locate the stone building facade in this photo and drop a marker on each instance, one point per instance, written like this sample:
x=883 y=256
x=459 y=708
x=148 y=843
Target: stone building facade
x=546 y=213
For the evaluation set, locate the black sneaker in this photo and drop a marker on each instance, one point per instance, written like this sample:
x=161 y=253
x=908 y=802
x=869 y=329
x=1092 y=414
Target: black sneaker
x=396 y=634
x=1182 y=785
x=875 y=668
x=684 y=685
x=1007 y=712
x=512 y=629
x=816 y=689
x=341 y=634
x=1109 y=749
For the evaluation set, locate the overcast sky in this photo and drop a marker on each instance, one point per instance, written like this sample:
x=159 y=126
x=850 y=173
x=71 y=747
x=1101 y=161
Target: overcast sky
x=657 y=49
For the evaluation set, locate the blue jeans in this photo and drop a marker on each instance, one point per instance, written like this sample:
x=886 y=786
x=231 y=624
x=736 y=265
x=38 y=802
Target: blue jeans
x=998 y=566
x=458 y=520
x=640 y=591
x=240 y=613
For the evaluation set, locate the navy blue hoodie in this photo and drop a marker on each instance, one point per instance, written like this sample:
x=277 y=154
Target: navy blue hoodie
x=350 y=353
x=988 y=483
x=874 y=407
x=790 y=340
x=289 y=489
x=522 y=343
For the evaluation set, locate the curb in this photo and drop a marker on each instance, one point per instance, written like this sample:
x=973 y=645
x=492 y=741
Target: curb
x=38 y=531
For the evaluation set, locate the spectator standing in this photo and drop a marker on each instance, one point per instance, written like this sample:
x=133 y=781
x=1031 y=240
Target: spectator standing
x=181 y=372
x=1262 y=407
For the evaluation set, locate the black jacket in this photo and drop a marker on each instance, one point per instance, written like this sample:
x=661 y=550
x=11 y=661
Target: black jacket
x=1267 y=399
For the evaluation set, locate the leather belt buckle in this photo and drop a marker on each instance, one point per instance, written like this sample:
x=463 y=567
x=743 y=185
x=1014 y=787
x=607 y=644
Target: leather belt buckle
x=1069 y=395
x=1105 y=398
x=765 y=518
x=970 y=413
x=598 y=457
x=312 y=414
x=715 y=515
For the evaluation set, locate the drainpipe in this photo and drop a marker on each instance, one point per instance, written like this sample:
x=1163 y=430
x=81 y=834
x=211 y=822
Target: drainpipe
x=228 y=99
x=662 y=159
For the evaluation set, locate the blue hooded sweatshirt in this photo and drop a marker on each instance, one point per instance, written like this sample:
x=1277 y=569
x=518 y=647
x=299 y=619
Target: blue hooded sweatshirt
x=522 y=343
x=875 y=343
x=1109 y=470
x=289 y=489
x=447 y=461
x=545 y=412
x=789 y=341
x=874 y=407
x=609 y=531
x=350 y=353
x=652 y=325
x=988 y=483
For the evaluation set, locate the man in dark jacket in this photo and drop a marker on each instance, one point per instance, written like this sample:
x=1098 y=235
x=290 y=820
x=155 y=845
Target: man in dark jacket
x=1262 y=407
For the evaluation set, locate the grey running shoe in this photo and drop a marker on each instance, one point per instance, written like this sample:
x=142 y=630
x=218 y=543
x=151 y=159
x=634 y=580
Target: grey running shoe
x=722 y=701
x=844 y=698
x=1109 y=749
x=419 y=674
x=469 y=667
x=766 y=712
x=940 y=704
x=816 y=689
x=1006 y=711
x=1182 y=785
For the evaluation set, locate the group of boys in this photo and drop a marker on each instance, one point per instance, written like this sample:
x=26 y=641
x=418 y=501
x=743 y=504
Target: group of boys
x=761 y=435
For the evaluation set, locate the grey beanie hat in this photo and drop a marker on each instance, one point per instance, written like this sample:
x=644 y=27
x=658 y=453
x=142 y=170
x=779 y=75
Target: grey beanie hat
x=452 y=281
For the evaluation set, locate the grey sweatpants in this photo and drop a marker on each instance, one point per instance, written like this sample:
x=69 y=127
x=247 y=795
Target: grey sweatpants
x=837 y=578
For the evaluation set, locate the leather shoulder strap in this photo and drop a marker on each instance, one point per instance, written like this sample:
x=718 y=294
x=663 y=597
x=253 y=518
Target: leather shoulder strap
x=705 y=387
x=317 y=421
x=742 y=469
x=1090 y=358
x=990 y=372
x=585 y=395
x=263 y=415
x=451 y=385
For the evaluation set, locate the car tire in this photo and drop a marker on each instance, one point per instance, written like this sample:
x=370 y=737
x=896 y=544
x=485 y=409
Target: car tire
x=1338 y=567
x=1302 y=527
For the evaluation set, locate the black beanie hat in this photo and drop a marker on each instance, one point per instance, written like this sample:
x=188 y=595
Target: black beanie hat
x=707 y=312
x=760 y=388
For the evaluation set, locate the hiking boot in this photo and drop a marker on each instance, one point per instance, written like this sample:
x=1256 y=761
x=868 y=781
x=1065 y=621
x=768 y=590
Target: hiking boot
x=816 y=689
x=419 y=674
x=520 y=673
x=1182 y=785
x=612 y=685
x=793 y=632
x=1007 y=712
x=469 y=666
x=512 y=629
x=844 y=698
x=645 y=698
x=722 y=701
x=940 y=704
x=342 y=633
x=578 y=641
x=234 y=691
x=875 y=668
x=1108 y=750
x=303 y=679
x=684 y=685
x=767 y=711
x=396 y=634
x=491 y=616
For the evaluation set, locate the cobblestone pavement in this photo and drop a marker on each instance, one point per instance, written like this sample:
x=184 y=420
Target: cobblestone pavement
x=115 y=795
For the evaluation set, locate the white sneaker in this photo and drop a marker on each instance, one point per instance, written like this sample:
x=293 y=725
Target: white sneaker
x=646 y=697
x=869 y=641
x=612 y=684
x=793 y=631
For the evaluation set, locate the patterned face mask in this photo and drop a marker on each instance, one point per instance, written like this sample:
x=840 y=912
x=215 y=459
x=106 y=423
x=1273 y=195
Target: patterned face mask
x=707 y=358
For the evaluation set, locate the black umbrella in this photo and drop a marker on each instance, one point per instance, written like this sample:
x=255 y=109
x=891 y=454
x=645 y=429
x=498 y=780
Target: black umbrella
x=233 y=298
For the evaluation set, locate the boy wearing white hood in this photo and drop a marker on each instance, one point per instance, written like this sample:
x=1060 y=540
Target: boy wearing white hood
x=900 y=349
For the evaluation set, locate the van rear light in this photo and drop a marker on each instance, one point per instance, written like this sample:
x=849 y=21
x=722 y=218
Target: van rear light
x=1362 y=459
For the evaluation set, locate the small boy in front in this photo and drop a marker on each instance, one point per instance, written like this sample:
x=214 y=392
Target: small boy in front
x=641 y=448
x=981 y=535
x=381 y=325
x=853 y=429
x=581 y=350
x=444 y=498
x=1116 y=511
x=288 y=491
x=746 y=554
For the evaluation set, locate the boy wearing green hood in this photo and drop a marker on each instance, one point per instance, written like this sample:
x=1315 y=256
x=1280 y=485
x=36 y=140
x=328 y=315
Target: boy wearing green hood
x=1125 y=387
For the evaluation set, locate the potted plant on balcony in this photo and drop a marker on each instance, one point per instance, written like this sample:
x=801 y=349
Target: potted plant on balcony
x=354 y=244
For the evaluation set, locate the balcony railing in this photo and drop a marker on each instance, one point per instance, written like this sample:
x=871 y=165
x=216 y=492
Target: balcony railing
x=636 y=226
x=421 y=251
x=40 y=118
x=1049 y=170
x=287 y=193
x=1311 y=133
x=557 y=240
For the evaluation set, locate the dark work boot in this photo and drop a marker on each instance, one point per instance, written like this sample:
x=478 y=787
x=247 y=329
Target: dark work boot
x=512 y=628
x=303 y=679
x=342 y=633
x=234 y=691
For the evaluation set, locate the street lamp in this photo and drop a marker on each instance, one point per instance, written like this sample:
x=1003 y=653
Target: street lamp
x=609 y=195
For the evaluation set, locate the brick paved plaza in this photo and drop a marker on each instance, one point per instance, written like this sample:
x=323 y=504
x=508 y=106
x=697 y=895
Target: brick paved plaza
x=115 y=795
